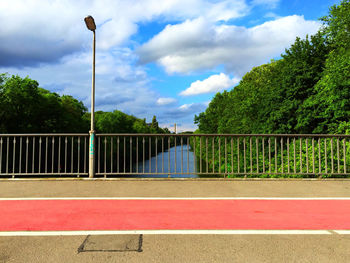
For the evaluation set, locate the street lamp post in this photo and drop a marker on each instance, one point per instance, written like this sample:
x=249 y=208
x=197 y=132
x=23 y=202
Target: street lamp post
x=90 y=23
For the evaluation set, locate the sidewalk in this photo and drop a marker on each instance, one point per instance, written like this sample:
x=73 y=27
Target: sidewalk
x=174 y=188
x=330 y=247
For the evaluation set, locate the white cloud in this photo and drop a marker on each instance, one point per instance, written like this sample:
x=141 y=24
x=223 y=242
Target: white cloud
x=166 y=101
x=199 y=44
x=33 y=32
x=214 y=83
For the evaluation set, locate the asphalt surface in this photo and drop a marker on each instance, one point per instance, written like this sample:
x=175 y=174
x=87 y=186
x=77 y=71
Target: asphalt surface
x=177 y=248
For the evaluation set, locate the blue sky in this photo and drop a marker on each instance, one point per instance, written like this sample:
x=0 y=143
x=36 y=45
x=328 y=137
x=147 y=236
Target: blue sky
x=165 y=58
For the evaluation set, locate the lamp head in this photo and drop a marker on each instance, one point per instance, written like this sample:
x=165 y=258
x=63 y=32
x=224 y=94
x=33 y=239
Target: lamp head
x=90 y=23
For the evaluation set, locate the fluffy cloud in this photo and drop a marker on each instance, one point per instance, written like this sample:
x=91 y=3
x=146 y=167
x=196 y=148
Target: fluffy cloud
x=214 y=83
x=166 y=101
x=44 y=31
x=199 y=44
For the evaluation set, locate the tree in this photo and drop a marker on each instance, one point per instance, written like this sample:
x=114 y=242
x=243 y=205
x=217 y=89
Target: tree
x=27 y=108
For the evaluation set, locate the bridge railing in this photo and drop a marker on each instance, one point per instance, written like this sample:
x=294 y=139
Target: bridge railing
x=176 y=155
x=43 y=154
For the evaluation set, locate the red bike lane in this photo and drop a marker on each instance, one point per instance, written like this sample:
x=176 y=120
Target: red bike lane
x=174 y=214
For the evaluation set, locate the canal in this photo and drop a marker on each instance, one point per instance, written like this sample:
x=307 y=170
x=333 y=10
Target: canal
x=160 y=164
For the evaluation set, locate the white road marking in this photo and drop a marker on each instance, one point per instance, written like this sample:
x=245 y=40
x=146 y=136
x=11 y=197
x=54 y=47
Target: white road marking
x=174 y=198
x=342 y=232
x=169 y=232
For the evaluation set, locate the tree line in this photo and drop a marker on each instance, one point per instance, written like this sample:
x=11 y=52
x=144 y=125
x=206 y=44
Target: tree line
x=306 y=91
x=27 y=108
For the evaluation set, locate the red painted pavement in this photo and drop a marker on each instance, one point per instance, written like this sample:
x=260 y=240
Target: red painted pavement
x=59 y=215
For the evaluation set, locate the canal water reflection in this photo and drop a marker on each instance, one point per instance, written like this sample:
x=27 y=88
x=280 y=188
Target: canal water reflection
x=160 y=164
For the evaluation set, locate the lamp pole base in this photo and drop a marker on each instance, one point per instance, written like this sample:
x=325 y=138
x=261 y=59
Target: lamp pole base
x=92 y=154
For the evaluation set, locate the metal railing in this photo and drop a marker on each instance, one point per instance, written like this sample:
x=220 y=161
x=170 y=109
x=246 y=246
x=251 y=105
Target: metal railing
x=176 y=155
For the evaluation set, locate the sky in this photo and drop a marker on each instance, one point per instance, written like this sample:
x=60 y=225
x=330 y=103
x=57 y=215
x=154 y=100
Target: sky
x=166 y=58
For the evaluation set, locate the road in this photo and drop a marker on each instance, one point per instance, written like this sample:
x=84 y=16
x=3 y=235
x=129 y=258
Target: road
x=250 y=205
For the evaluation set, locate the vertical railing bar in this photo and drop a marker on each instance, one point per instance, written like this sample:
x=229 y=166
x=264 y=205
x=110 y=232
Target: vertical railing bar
x=53 y=154
x=269 y=141
x=301 y=155
x=7 y=154
x=130 y=154
x=105 y=158
x=344 y=150
x=294 y=156
x=72 y=155
x=307 y=155
x=65 y=155
x=137 y=154
x=332 y=156
x=20 y=155
x=111 y=154
x=213 y=154
x=143 y=154
x=282 y=168
x=59 y=155
x=194 y=155
x=244 y=154
x=175 y=139
x=124 y=154
x=338 y=155
x=33 y=157
x=13 y=156
x=219 y=155
x=1 y=142
x=206 y=155
x=150 y=154
x=225 y=156
x=257 y=154
x=238 y=161
x=163 y=154
x=118 y=154
x=313 y=155
x=251 y=154
x=231 y=155
x=182 y=155
x=84 y=154
x=319 y=155
x=188 y=154
x=288 y=156
x=40 y=141
x=263 y=153
x=78 y=156
x=46 y=152
x=157 y=154
x=27 y=142
x=276 y=156
x=200 y=154
x=325 y=155
x=169 y=170
x=99 y=154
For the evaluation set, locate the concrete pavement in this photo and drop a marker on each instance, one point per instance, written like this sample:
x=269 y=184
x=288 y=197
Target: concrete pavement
x=180 y=248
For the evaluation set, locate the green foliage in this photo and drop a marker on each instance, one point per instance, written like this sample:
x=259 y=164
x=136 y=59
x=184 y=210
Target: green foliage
x=306 y=91
x=26 y=108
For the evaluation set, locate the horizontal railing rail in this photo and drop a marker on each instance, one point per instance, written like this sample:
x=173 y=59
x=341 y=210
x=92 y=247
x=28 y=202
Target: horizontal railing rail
x=176 y=155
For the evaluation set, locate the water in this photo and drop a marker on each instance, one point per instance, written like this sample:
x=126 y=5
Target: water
x=157 y=162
